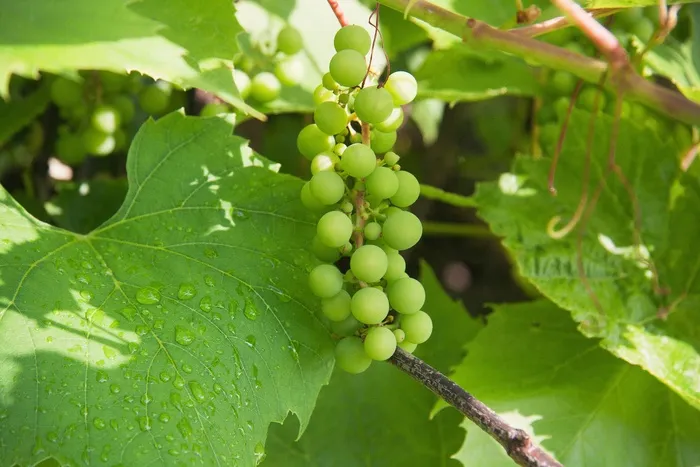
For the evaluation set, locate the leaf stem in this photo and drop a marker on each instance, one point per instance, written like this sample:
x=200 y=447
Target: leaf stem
x=479 y=34
x=560 y=22
x=455 y=229
x=517 y=443
x=438 y=194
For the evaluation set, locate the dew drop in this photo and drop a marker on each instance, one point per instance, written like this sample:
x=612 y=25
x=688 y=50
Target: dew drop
x=231 y=328
x=146 y=399
x=129 y=313
x=197 y=391
x=208 y=280
x=259 y=453
x=178 y=382
x=52 y=436
x=184 y=428
x=164 y=417
x=186 y=291
x=164 y=376
x=250 y=311
x=147 y=296
x=99 y=423
x=186 y=368
x=250 y=340
x=109 y=352
x=240 y=214
x=184 y=336
x=145 y=423
x=83 y=278
x=86 y=295
x=115 y=389
x=205 y=304
x=210 y=253
x=141 y=330
x=102 y=376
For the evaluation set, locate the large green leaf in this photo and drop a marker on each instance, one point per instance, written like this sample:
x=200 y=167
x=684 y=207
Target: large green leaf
x=675 y=61
x=630 y=310
x=382 y=417
x=178 y=330
x=585 y=406
x=188 y=43
x=629 y=3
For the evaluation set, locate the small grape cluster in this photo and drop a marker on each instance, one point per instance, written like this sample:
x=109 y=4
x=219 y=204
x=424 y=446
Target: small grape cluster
x=374 y=306
x=97 y=110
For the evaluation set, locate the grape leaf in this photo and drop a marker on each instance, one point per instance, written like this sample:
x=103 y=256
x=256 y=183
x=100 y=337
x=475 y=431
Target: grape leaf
x=629 y=307
x=675 y=61
x=497 y=13
x=381 y=417
x=629 y=3
x=175 y=332
x=585 y=406
x=188 y=43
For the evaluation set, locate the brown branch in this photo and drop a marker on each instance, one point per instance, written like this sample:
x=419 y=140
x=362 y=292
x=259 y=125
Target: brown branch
x=517 y=443
x=560 y=22
x=338 y=12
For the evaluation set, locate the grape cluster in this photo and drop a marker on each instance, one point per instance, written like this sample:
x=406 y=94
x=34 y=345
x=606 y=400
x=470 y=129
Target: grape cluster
x=362 y=193
x=97 y=109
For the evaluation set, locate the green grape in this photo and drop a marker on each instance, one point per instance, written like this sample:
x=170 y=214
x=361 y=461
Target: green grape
x=409 y=347
x=339 y=149
x=352 y=37
x=402 y=230
x=391 y=158
x=323 y=162
x=406 y=296
x=392 y=122
x=380 y=343
x=346 y=250
x=242 y=82
x=322 y=94
x=124 y=107
x=113 y=82
x=368 y=263
x=98 y=143
x=289 y=40
x=381 y=142
x=382 y=183
x=66 y=93
x=212 y=109
x=154 y=99
x=408 y=192
x=325 y=280
x=334 y=229
x=330 y=117
x=643 y=29
x=337 y=307
x=562 y=83
x=329 y=83
x=402 y=86
x=106 y=119
x=265 y=87
x=347 y=327
x=309 y=200
x=589 y=96
x=561 y=108
x=369 y=305
x=629 y=17
x=324 y=252
x=399 y=335
x=372 y=231
x=312 y=141
x=391 y=210
x=373 y=105
x=348 y=67
x=120 y=140
x=327 y=187
x=350 y=355
x=396 y=266
x=289 y=71
x=358 y=160
x=69 y=149
x=549 y=134
x=134 y=82
x=417 y=326
x=347 y=207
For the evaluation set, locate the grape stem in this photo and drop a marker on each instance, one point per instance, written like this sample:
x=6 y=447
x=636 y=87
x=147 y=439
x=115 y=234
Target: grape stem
x=517 y=443
x=338 y=12
x=624 y=79
x=359 y=200
x=560 y=22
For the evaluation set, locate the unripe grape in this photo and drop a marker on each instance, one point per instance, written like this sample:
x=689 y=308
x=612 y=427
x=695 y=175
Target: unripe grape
x=369 y=263
x=563 y=83
x=327 y=187
x=373 y=105
x=350 y=355
x=69 y=149
x=409 y=347
x=334 y=229
x=330 y=117
x=372 y=231
x=352 y=37
x=358 y=160
x=402 y=230
x=396 y=266
x=347 y=207
x=337 y=307
x=97 y=143
x=324 y=252
x=391 y=210
x=369 y=305
x=124 y=106
x=391 y=158
x=289 y=71
x=348 y=67
x=106 y=119
x=212 y=109
x=312 y=141
x=265 y=87
x=346 y=250
x=382 y=183
x=329 y=83
x=392 y=122
x=309 y=200
x=339 y=149
x=418 y=327
x=408 y=191
x=322 y=94
x=289 y=40
x=629 y=17
x=154 y=98
x=406 y=296
x=325 y=280
x=402 y=86
x=587 y=99
x=399 y=335
x=242 y=82
x=380 y=343
x=381 y=142
x=323 y=162
x=347 y=327
x=66 y=93
x=112 y=82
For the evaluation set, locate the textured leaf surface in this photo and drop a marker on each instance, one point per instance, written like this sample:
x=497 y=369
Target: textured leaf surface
x=174 y=333
x=520 y=206
x=188 y=43
x=675 y=61
x=588 y=408
x=381 y=417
